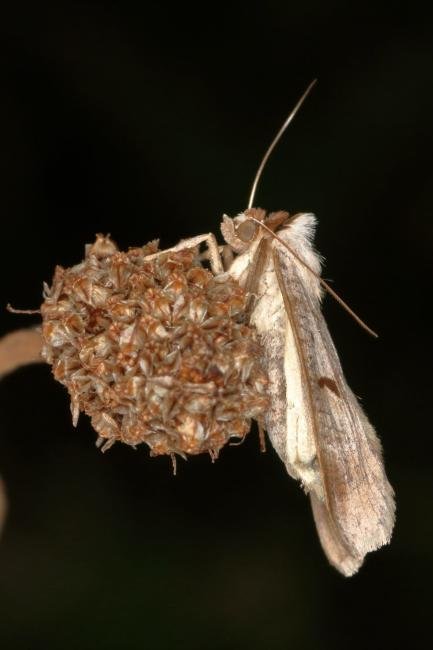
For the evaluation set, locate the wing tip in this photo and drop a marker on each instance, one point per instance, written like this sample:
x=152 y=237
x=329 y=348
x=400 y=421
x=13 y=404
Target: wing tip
x=347 y=555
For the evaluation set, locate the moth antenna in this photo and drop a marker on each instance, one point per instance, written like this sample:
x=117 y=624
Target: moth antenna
x=275 y=142
x=323 y=282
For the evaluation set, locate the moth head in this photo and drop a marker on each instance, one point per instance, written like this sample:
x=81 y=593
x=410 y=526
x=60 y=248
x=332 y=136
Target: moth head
x=239 y=232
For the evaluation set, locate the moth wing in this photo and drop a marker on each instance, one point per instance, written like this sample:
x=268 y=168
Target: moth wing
x=338 y=554
x=355 y=512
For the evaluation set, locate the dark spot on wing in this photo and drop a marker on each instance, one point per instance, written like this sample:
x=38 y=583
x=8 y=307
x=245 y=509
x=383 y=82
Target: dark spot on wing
x=329 y=383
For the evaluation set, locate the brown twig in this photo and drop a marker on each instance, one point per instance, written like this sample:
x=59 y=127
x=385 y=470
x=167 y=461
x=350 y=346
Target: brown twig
x=20 y=348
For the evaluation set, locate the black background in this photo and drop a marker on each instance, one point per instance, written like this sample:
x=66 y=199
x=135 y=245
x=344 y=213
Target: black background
x=151 y=123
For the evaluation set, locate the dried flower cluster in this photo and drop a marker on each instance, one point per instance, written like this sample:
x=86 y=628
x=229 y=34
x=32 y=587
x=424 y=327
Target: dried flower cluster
x=154 y=350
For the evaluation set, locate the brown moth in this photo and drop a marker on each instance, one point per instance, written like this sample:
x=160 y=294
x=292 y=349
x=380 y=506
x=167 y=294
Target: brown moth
x=314 y=422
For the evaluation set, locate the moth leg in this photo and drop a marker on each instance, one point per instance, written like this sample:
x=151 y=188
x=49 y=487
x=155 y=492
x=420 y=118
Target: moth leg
x=262 y=438
x=227 y=255
x=257 y=265
x=212 y=245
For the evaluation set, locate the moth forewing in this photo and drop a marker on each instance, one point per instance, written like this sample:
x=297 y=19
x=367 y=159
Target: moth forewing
x=287 y=420
x=337 y=553
x=314 y=422
x=356 y=491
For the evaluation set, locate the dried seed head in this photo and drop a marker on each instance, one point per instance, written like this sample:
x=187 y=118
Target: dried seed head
x=153 y=350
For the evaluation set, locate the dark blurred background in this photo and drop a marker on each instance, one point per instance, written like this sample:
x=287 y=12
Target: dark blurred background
x=150 y=123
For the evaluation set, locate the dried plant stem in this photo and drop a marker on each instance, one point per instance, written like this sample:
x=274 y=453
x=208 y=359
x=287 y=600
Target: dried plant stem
x=18 y=349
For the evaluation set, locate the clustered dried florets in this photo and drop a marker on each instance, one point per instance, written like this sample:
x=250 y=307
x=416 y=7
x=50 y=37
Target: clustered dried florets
x=154 y=350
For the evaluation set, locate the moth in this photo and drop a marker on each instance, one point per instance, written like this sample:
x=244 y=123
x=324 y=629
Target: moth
x=315 y=423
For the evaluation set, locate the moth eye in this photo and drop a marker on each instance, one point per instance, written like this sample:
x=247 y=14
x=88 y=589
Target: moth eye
x=246 y=230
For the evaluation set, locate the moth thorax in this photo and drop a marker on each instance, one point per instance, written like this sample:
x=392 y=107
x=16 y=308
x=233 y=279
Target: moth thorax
x=154 y=351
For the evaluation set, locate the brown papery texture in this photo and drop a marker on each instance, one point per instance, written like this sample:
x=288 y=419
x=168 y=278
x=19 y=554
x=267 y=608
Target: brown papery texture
x=154 y=350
